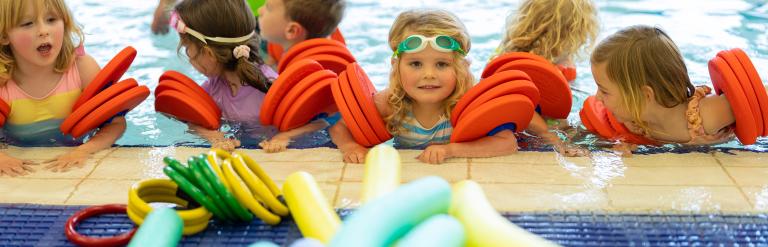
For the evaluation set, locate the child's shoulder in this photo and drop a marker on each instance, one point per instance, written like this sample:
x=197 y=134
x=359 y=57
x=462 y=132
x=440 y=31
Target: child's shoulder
x=87 y=67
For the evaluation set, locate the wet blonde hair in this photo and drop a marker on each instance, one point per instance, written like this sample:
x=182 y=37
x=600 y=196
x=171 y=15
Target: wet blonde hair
x=640 y=56
x=12 y=13
x=429 y=23
x=225 y=18
x=553 y=29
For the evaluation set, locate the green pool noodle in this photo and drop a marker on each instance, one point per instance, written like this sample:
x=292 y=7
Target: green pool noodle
x=162 y=227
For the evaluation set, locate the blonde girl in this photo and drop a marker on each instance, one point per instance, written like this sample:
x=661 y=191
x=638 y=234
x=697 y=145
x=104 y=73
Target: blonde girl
x=642 y=79
x=429 y=75
x=43 y=70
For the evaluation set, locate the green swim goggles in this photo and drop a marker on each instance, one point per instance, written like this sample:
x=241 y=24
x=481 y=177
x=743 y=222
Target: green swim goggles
x=417 y=43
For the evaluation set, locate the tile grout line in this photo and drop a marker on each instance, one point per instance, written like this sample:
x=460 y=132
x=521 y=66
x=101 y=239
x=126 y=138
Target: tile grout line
x=338 y=186
x=98 y=162
x=469 y=169
x=741 y=190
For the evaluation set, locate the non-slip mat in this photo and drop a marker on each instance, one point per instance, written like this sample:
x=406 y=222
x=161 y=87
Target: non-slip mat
x=43 y=225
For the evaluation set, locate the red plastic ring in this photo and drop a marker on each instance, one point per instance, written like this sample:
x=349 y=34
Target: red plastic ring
x=76 y=238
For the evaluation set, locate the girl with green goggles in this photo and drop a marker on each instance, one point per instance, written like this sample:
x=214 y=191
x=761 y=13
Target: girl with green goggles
x=417 y=43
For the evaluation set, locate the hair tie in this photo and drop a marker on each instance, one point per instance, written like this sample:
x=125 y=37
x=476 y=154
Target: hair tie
x=241 y=51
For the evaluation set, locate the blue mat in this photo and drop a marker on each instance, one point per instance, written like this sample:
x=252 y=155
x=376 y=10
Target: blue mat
x=43 y=225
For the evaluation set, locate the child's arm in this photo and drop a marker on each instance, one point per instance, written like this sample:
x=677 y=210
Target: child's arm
x=539 y=127
x=103 y=139
x=10 y=166
x=215 y=137
x=502 y=143
x=352 y=152
x=279 y=142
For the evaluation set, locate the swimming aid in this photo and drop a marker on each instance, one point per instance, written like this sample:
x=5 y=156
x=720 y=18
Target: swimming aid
x=103 y=99
x=732 y=74
x=179 y=96
x=504 y=100
x=353 y=93
x=283 y=85
x=331 y=54
x=556 y=98
x=276 y=51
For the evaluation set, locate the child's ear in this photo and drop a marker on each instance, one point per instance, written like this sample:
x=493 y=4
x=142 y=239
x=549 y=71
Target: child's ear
x=648 y=94
x=294 y=31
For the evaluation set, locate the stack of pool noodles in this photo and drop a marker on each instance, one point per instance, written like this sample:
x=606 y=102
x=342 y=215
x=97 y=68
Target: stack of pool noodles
x=275 y=51
x=555 y=92
x=103 y=98
x=732 y=74
x=179 y=96
x=231 y=187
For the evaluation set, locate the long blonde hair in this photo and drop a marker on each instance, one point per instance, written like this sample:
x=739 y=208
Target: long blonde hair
x=640 y=56
x=11 y=14
x=427 y=22
x=230 y=18
x=553 y=29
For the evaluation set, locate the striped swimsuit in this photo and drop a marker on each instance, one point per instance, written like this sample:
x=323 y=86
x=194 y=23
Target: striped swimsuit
x=417 y=137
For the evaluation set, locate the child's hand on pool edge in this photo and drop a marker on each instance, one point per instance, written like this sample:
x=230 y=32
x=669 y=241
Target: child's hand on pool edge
x=64 y=162
x=226 y=144
x=278 y=143
x=10 y=166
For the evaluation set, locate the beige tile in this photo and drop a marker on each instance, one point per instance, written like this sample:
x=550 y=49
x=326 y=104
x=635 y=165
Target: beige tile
x=296 y=155
x=758 y=197
x=678 y=198
x=538 y=197
x=412 y=171
x=524 y=174
x=321 y=171
x=749 y=176
x=128 y=168
x=741 y=158
x=98 y=191
x=40 y=191
x=47 y=153
x=674 y=176
x=528 y=157
x=409 y=156
x=348 y=195
x=671 y=159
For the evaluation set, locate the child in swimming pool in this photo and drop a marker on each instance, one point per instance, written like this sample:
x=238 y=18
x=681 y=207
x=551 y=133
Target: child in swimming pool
x=226 y=51
x=289 y=22
x=556 y=30
x=426 y=81
x=643 y=81
x=43 y=70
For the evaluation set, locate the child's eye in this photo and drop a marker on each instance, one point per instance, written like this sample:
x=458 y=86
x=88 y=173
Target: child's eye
x=443 y=65
x=415 y=64
x=26 y=24
x=51 y=19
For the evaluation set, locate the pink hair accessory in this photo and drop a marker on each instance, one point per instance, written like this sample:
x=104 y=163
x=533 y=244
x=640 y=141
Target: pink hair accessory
x=241 y=51
x=176 y=22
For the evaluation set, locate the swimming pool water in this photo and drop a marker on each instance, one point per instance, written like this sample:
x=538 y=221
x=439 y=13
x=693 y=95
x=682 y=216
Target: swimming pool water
x=700 y=28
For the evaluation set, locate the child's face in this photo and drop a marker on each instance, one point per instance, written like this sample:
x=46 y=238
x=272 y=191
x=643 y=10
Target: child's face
x=428 y=76
x=37 y=39
x=608 y=93
x=273 y=21
x=203 y=62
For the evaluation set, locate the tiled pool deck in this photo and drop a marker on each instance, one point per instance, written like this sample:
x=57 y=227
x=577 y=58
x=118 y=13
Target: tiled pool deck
x=524 y=182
